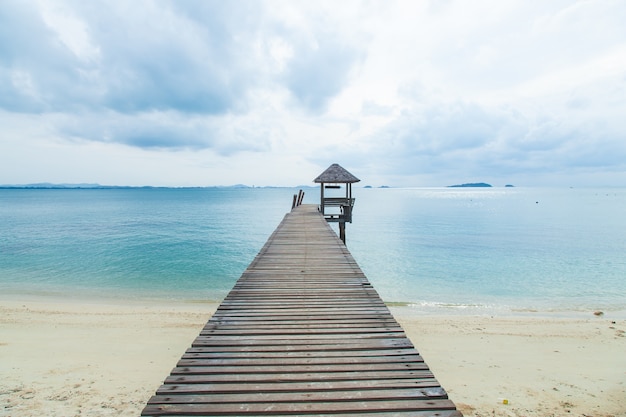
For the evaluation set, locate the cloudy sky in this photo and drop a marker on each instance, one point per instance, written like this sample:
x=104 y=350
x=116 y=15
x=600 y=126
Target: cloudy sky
x=403 y=93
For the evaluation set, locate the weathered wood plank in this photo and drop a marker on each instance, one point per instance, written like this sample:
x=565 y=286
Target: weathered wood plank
x=370 y=413
x=199 y=353
x=299 y=338
x=347 y=348
x=300 y=344
x=297 y=377
x=285 y=369
x=295 y=323
x=363 y=385
x=320 y=330
x=307 y=396
x=273 y=408
x=285 y=361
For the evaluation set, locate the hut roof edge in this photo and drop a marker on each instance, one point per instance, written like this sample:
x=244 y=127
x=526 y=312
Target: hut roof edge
x=336 y=174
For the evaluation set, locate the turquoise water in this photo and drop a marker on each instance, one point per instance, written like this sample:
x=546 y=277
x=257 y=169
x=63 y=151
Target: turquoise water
x=480 y=249
x=505 y=248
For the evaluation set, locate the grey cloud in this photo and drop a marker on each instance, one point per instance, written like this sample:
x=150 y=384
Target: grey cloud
x=33 y=65
x=456 y=140
x=158 y=61
x=166 y=131
x=441 y=129
x=155 y=130
x=470 y=140
x=438 y=140
x=318 y=73
x=166 y=60
x=192 y=59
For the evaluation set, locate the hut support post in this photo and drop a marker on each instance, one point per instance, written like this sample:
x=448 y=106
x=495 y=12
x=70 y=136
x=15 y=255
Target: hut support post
x=342 y=232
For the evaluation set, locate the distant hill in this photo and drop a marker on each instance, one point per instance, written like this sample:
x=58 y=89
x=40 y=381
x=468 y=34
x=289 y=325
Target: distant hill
x=48 y=185
x=471 y=184
x=85 y=186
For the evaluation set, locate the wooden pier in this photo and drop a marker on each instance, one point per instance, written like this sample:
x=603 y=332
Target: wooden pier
x=302 y=333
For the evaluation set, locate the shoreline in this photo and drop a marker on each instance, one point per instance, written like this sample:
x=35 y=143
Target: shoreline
x=104 y=357
x=426 y=308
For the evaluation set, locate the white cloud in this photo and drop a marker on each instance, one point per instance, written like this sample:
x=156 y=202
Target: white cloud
x=606 y=66
x=71 y=31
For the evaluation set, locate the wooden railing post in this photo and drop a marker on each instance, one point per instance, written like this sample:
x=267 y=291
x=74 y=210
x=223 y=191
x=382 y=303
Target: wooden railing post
x=300 y=197
x=297 y=199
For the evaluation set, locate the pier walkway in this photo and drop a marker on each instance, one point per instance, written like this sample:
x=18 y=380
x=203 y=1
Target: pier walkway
x=302 y=333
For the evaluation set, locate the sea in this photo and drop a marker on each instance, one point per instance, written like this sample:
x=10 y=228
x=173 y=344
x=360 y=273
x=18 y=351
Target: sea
x=498 y=250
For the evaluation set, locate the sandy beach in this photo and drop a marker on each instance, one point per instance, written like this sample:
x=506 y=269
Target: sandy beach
x=106 y=358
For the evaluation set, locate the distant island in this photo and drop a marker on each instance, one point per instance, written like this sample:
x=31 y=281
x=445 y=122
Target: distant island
x=471 y=184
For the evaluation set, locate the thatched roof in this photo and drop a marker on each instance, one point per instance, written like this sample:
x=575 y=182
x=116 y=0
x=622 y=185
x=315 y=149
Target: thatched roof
x=336 y=174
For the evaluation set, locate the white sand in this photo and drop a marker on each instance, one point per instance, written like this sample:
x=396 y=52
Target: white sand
x=71 y=359
x=74 y=358
x=543 y=366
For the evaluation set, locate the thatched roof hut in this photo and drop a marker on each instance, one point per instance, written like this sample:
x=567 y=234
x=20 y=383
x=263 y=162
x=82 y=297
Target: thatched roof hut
x=337 y=209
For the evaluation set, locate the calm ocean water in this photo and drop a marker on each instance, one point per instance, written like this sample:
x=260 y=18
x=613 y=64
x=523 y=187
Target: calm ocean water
x=452 y=249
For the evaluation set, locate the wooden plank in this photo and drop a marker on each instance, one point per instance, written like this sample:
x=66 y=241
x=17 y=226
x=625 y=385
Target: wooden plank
x=346 y=348
x=370 y=413
x=306 y=396
x=216 y=388
x=284 y=369
x=198 y=353
x=291 y=323
x=297 y=318
x=299 y=338
x=273 y=408
x=343 y=332
x=300 y=344
x=286 y=361
x=296 y=377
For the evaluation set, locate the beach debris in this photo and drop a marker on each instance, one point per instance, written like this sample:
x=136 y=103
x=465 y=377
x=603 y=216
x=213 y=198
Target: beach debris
x=598 y=313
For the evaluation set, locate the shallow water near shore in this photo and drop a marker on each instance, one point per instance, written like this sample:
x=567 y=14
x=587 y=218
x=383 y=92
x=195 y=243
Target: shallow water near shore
x=476 y=250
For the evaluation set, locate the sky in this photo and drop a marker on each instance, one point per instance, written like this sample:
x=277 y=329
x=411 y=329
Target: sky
x=401 y=93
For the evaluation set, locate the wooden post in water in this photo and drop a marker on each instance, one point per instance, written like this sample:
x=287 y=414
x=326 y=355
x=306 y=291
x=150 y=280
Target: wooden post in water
x=336 y=208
